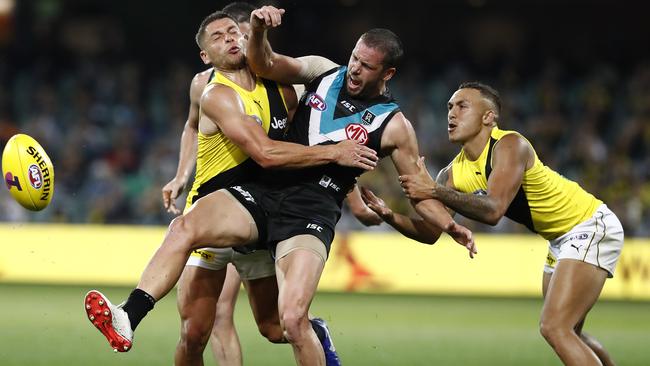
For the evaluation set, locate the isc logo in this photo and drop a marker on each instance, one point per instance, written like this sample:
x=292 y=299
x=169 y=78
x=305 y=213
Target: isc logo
x=349 y=106
x=315 y=227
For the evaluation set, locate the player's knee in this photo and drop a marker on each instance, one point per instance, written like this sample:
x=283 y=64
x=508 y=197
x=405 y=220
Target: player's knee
x=553 y=331
x=293 y=323
x=271 y=331
x=181 y=228
x=194 y=337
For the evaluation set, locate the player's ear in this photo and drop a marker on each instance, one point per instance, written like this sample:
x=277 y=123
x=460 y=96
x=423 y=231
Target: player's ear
x=388 y=73
x=204 y=57
x=489 y=117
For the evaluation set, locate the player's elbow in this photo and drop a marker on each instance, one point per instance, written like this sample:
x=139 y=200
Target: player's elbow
x=430 y=239
x=265 y=158
x=265 y=161
x=493 y=217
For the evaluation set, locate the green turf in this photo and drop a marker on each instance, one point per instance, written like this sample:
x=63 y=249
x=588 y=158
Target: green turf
x=46 y=325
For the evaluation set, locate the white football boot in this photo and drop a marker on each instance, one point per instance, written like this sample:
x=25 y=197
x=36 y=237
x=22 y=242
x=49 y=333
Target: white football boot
x=111 y=320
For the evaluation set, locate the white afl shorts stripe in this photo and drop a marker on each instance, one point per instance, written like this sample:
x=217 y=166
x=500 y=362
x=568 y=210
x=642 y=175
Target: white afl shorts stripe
x=598 y=241
x=258 y=264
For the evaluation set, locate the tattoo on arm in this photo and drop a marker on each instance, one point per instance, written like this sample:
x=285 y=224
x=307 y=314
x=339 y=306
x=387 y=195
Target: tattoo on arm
x=469 y=205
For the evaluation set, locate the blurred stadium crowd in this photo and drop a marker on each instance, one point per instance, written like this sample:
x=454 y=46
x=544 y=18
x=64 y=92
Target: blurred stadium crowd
x=110 y=113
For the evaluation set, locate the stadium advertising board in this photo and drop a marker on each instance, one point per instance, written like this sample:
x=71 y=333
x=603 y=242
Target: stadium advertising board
x=506 y=265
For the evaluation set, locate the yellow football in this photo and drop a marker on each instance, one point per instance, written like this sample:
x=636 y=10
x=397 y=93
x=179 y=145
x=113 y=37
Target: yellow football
x=28 y=172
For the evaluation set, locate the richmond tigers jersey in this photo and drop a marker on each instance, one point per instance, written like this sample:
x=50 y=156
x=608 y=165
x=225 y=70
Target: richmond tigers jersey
x=219 y=162
x=546 y=203
x=327 y=114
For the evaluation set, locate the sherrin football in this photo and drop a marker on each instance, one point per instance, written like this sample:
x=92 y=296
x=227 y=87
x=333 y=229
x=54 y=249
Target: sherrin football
x=28 y=172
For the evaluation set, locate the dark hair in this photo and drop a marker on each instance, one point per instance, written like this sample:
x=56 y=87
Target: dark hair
x=387 y=42
x=487 y=92
x=207 y=20
x=240 y=11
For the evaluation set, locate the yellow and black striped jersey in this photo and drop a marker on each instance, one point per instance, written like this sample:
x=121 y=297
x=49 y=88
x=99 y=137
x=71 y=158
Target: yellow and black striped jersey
x=219 y=162
x=546 y=203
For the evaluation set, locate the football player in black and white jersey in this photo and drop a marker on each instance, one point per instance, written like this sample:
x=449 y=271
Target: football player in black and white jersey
x=297 y=211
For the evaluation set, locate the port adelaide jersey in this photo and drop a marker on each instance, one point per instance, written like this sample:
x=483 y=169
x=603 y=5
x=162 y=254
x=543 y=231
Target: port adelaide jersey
x=327 y=114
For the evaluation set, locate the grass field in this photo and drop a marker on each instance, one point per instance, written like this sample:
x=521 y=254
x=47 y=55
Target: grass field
x=46 y=325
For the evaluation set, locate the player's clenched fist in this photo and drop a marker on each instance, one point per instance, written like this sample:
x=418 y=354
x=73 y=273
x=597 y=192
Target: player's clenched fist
x=266 y=17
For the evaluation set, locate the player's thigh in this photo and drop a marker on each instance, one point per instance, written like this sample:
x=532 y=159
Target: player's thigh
x=573 y=289
x=299 y=265
x=198 y=292
x=263 y=298
x=220 y=220
x=546 y=280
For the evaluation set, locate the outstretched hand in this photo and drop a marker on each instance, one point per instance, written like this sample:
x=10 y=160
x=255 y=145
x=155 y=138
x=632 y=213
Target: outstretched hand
x=462 y=236
x=352 y=154
x=376 y=204
x=266 y=17
x=418 y=186
x=170 y=192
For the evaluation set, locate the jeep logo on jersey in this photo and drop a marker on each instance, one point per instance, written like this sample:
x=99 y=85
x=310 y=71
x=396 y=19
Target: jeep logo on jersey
x=316 y=102
x=35 y=178
x=357 y=132
x=367 y=117
x=279 y=123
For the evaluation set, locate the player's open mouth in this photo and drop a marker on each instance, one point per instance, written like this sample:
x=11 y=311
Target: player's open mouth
x=353 y=84
x=451 y=127
x=234 y=49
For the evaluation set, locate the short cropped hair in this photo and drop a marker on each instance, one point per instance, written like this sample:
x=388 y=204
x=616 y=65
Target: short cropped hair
x=240 y=11
x=387 y=42
x=486 y=91
x=204 y=24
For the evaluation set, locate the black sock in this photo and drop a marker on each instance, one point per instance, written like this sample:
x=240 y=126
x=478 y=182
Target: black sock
x=320 y=333
x=137 y=306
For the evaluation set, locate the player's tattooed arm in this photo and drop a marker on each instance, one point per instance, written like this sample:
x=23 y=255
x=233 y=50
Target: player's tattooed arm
x=512 y=155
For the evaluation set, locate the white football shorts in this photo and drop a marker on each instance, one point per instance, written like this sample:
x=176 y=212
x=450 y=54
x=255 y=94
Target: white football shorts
x=258 y=264
x=598 y=241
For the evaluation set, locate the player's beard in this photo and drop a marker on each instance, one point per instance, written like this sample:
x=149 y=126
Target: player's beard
x=368 y=88
x=232 y=62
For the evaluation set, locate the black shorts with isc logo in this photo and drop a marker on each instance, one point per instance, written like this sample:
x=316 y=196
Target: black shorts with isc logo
x=282 y=213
